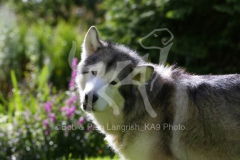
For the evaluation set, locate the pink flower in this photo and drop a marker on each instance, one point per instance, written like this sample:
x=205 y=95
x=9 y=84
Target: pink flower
x=48 y=107
x=47 y=132
x=74 y=62
x=52 y=117
x=90 y=128
x=71 y=100
x=72 y=80
x=74 y=73
x=71 y=111
x=69 y=127
x=64 y=109
x=45 y=122
x=81 y=120
x=71 y=83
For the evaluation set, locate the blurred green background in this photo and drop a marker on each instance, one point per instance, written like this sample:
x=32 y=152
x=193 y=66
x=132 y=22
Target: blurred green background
x=40 y=116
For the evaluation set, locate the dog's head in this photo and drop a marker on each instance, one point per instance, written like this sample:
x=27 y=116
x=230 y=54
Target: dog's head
x=108 y=74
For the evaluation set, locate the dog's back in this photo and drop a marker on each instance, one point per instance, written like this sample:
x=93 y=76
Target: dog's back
x=211 y=116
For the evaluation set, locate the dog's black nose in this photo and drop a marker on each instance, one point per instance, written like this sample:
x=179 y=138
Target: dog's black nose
x=90 y=98
x=94 y=97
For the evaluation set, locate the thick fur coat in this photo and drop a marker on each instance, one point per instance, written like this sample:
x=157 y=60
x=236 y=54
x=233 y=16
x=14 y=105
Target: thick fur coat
x=150 y=112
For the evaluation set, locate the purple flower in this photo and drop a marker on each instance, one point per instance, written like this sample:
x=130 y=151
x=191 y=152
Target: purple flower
x=64 y=109
x=45 y=122
x=71 y=100
x=52 y=117
x=72 y=80
x=81 y=120
x=71 y=84
x=48 y=107
x=47 y=132
x=90 y=128
x=74 y=74
x=71 y=111
x=74 y=63
x=69 y=127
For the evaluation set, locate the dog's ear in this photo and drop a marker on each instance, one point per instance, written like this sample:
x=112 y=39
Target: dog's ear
x=91 y=42
x=142 y=73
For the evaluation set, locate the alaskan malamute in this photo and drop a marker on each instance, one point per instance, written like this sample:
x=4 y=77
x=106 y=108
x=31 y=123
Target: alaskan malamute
x=150 y=112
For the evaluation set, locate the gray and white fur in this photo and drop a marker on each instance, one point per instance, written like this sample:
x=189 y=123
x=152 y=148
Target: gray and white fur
x=206 y=107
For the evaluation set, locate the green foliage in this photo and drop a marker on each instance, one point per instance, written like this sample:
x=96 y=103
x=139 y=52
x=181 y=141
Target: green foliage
x=206 y=38
x=53 y=11
x=35 y=58
x=12 y=54
x=42 y=78
x=28 y=48
x=34 y=129
x=59 y=50
x=16 y=94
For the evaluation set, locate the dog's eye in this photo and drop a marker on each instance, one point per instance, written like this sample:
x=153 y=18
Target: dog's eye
x=113 y=83
x=94 y=73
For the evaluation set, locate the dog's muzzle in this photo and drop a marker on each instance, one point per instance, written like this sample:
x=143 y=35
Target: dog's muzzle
x=90 y=99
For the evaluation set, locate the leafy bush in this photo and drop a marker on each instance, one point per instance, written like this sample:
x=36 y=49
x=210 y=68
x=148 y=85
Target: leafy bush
x=206 y=38
x=35 y=125
x=37 y=119
x=26 y=49
x=12 y=54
